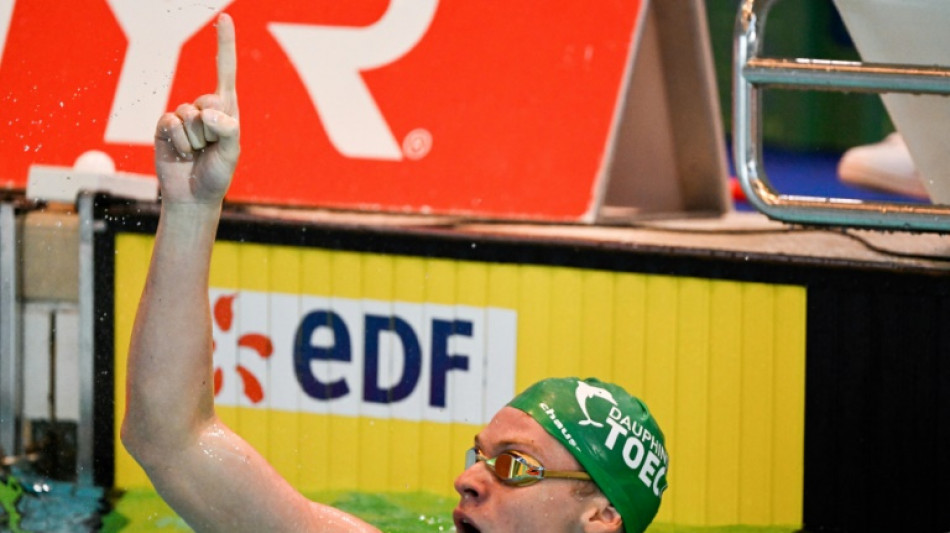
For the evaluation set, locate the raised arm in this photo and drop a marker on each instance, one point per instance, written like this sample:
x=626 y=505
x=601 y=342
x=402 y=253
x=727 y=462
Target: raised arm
x=207 y=473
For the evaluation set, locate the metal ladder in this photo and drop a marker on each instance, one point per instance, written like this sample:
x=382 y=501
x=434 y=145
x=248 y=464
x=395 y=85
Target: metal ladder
x=12 y=380
x=752 y=73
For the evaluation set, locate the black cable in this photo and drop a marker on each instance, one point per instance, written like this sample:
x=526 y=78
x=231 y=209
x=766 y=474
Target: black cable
x=893 y=253
x=845 y=232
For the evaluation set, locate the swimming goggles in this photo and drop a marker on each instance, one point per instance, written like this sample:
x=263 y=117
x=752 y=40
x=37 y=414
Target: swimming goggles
x=519 y=469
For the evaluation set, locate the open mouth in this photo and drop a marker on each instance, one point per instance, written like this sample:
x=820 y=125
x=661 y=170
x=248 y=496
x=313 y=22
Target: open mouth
x=466 y=527
x=463 y=524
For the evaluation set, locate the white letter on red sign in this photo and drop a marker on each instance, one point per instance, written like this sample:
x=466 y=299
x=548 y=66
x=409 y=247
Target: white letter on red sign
x=329 y=61
x=6 y=13
x=156 y=33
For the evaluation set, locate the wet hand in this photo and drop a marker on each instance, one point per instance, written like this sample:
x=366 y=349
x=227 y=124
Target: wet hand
x=197 y=146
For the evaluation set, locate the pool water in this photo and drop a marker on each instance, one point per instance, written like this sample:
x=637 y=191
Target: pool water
x=143 y=510
x=32 y=503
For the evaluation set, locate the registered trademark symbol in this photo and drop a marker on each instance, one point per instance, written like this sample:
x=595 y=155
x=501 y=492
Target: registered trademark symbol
x=417 y=144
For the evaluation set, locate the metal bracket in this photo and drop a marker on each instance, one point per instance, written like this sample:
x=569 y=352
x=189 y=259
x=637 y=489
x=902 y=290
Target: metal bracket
x=752 y=73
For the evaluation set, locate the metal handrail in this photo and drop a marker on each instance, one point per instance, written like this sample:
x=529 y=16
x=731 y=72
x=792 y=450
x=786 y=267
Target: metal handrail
x=85 y=438
x=9 y=332
x=752 y=73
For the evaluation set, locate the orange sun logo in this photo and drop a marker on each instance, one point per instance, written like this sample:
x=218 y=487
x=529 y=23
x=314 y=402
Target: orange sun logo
x=256 y=342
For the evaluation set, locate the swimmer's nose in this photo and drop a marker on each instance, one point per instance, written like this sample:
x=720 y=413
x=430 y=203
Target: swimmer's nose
x=472 y=483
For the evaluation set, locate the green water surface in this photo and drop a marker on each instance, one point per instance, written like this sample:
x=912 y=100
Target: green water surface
x=143 y=510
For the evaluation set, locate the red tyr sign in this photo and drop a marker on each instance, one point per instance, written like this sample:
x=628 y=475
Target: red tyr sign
x=447 y=106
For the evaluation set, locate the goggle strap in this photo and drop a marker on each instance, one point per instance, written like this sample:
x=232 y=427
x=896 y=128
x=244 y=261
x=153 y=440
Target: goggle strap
x=583 y=476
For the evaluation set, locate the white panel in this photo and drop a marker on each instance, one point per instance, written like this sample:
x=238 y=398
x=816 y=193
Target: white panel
x=460 y=393
x=37 y=356
x=67 y=364
x=501 y=341
x=36 y=362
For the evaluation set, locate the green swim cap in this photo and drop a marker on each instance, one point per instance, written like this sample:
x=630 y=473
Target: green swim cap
x=612 y=435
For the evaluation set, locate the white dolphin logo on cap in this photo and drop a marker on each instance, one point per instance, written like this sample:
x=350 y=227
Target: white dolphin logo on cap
x=585 y=392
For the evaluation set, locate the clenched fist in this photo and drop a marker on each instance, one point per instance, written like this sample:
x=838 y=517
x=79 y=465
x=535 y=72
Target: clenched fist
x=197 y=146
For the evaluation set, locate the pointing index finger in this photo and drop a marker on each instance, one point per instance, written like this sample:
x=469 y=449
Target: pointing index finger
x=227 y=63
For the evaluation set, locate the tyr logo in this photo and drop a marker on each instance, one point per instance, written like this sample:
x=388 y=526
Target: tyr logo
x=330 y=59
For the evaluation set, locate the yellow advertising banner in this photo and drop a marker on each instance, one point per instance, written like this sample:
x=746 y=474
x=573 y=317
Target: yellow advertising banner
x=372 y=372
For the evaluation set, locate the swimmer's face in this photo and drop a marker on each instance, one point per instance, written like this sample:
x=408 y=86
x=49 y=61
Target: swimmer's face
x=488 y=505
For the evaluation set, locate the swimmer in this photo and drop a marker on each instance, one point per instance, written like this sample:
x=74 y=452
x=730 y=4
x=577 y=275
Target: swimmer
x=564 y=455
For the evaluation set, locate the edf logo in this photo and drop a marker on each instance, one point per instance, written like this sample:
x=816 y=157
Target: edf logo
x=375 y=327
x=361 y=357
